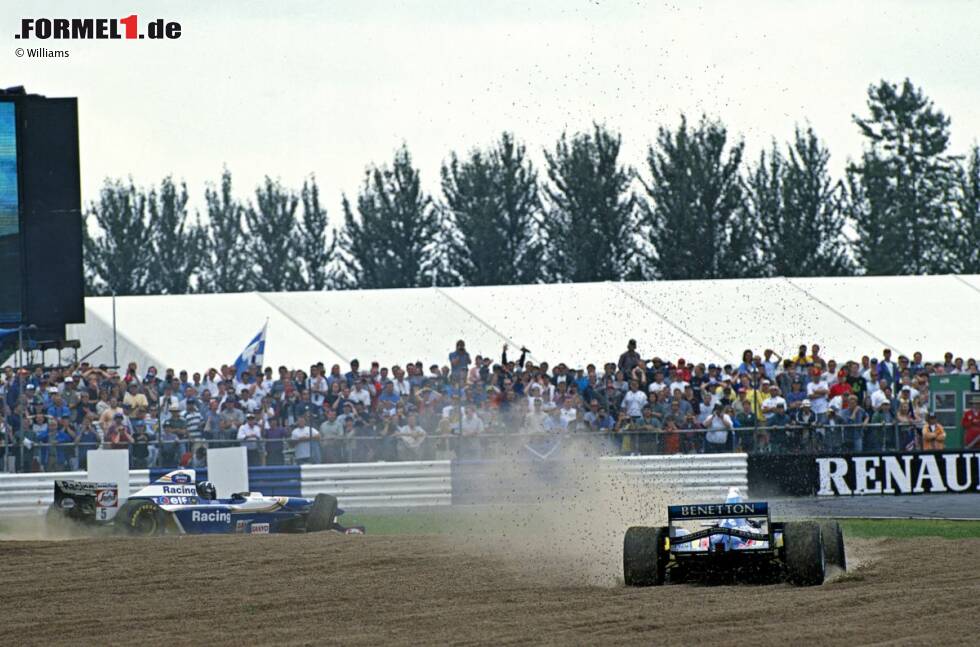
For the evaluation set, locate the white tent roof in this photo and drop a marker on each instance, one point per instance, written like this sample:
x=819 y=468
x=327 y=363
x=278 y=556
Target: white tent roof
x=575 y=323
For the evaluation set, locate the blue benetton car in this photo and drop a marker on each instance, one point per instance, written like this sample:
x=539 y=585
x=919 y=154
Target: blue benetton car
x=175 y=503
x=735 y=539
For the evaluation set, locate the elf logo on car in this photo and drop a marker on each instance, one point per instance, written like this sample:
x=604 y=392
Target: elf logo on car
x=223 y=517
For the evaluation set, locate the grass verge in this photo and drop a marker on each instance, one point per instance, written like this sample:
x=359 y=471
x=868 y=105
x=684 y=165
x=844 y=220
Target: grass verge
x=909 y=528
x=429 y=522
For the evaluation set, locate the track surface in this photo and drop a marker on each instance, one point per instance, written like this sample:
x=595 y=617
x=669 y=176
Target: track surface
x=324 y=588
x=922 y=506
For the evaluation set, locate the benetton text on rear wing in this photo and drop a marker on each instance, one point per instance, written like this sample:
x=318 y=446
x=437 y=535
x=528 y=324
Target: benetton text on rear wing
x=717 y=510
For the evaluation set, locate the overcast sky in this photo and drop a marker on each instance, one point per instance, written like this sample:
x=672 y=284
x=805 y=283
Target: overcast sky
x=290 y=88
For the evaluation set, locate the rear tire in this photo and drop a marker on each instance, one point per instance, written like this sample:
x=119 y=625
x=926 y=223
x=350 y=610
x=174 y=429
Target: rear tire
x=142 y=517
x=804 y=554
x=322 y=514
x=833 y=544
x=644 y=556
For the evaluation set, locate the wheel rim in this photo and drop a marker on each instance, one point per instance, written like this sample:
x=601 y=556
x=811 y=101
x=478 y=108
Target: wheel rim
x=145 y=522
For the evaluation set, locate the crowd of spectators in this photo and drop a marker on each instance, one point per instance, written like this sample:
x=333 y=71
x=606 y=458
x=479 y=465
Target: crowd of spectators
x=473 y=406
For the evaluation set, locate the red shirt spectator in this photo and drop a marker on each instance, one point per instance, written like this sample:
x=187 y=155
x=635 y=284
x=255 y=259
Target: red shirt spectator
x=683 y=370
x=971 y=426
x=118 y=436
x=840 y=387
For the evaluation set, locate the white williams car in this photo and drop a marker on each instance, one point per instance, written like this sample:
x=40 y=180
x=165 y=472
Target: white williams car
x=175 y=503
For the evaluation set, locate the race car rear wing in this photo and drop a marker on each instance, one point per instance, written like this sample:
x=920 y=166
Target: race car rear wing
x=718 y=511
x=87 y=500
x=725 y=511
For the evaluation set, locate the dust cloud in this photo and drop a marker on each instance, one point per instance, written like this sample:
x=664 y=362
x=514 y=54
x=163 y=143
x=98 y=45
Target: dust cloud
x=563 y=520
x=37 y=527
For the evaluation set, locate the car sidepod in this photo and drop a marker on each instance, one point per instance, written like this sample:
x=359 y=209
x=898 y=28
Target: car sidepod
x=270 y=515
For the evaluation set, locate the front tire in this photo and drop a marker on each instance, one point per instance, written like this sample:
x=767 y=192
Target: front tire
x=322 y=513
x=645 y=556
x=804 y=553
x=142 y=518
x=833 y=544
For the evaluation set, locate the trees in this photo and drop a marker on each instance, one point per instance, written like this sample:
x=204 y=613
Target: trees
x=394 y=239
x=764 y=204
x=273 y=242
x=492 y=203
x=796 y=206
x=143 y=241
x=590 y=216
x=176 y=245
x=695 y=220
x=900 y=188
x=905 y=206
x=966 y=233
x=317 y=244
x=226 y=264
x=115 y=252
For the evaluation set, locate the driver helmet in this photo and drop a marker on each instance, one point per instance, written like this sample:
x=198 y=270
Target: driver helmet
x=206 y=490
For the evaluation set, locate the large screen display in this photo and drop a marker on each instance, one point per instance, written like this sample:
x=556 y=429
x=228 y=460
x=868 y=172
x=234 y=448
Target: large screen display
x=10 y=266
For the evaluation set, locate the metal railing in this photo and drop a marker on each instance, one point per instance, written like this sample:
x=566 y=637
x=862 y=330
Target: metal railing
x=629 y=440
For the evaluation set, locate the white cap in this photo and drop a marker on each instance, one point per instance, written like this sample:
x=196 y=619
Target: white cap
x=806 y=403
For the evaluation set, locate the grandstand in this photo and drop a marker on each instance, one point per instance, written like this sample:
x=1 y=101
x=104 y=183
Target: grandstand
x=710 y=321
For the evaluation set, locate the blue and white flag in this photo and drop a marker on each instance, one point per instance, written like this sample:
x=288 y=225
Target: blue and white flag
x=253 y=353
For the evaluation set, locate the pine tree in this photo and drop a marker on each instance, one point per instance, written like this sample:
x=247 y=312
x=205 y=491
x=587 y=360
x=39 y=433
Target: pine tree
x=226 y=266
x=273 y=242
x=798 y=209
x=764 y=205
x=317 y=244
x=900 y=197
x=967 y=231
x=492 y=204
x=590 y=217
x=696 y=222
x=393 y=241
x=177 y=244
x=116 y=251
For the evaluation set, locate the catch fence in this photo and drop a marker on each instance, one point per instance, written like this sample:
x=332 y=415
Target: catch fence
x=818 y=437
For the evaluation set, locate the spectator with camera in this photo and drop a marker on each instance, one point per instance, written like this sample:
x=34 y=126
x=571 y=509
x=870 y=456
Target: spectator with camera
x=805 y=423
x=719 y=426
